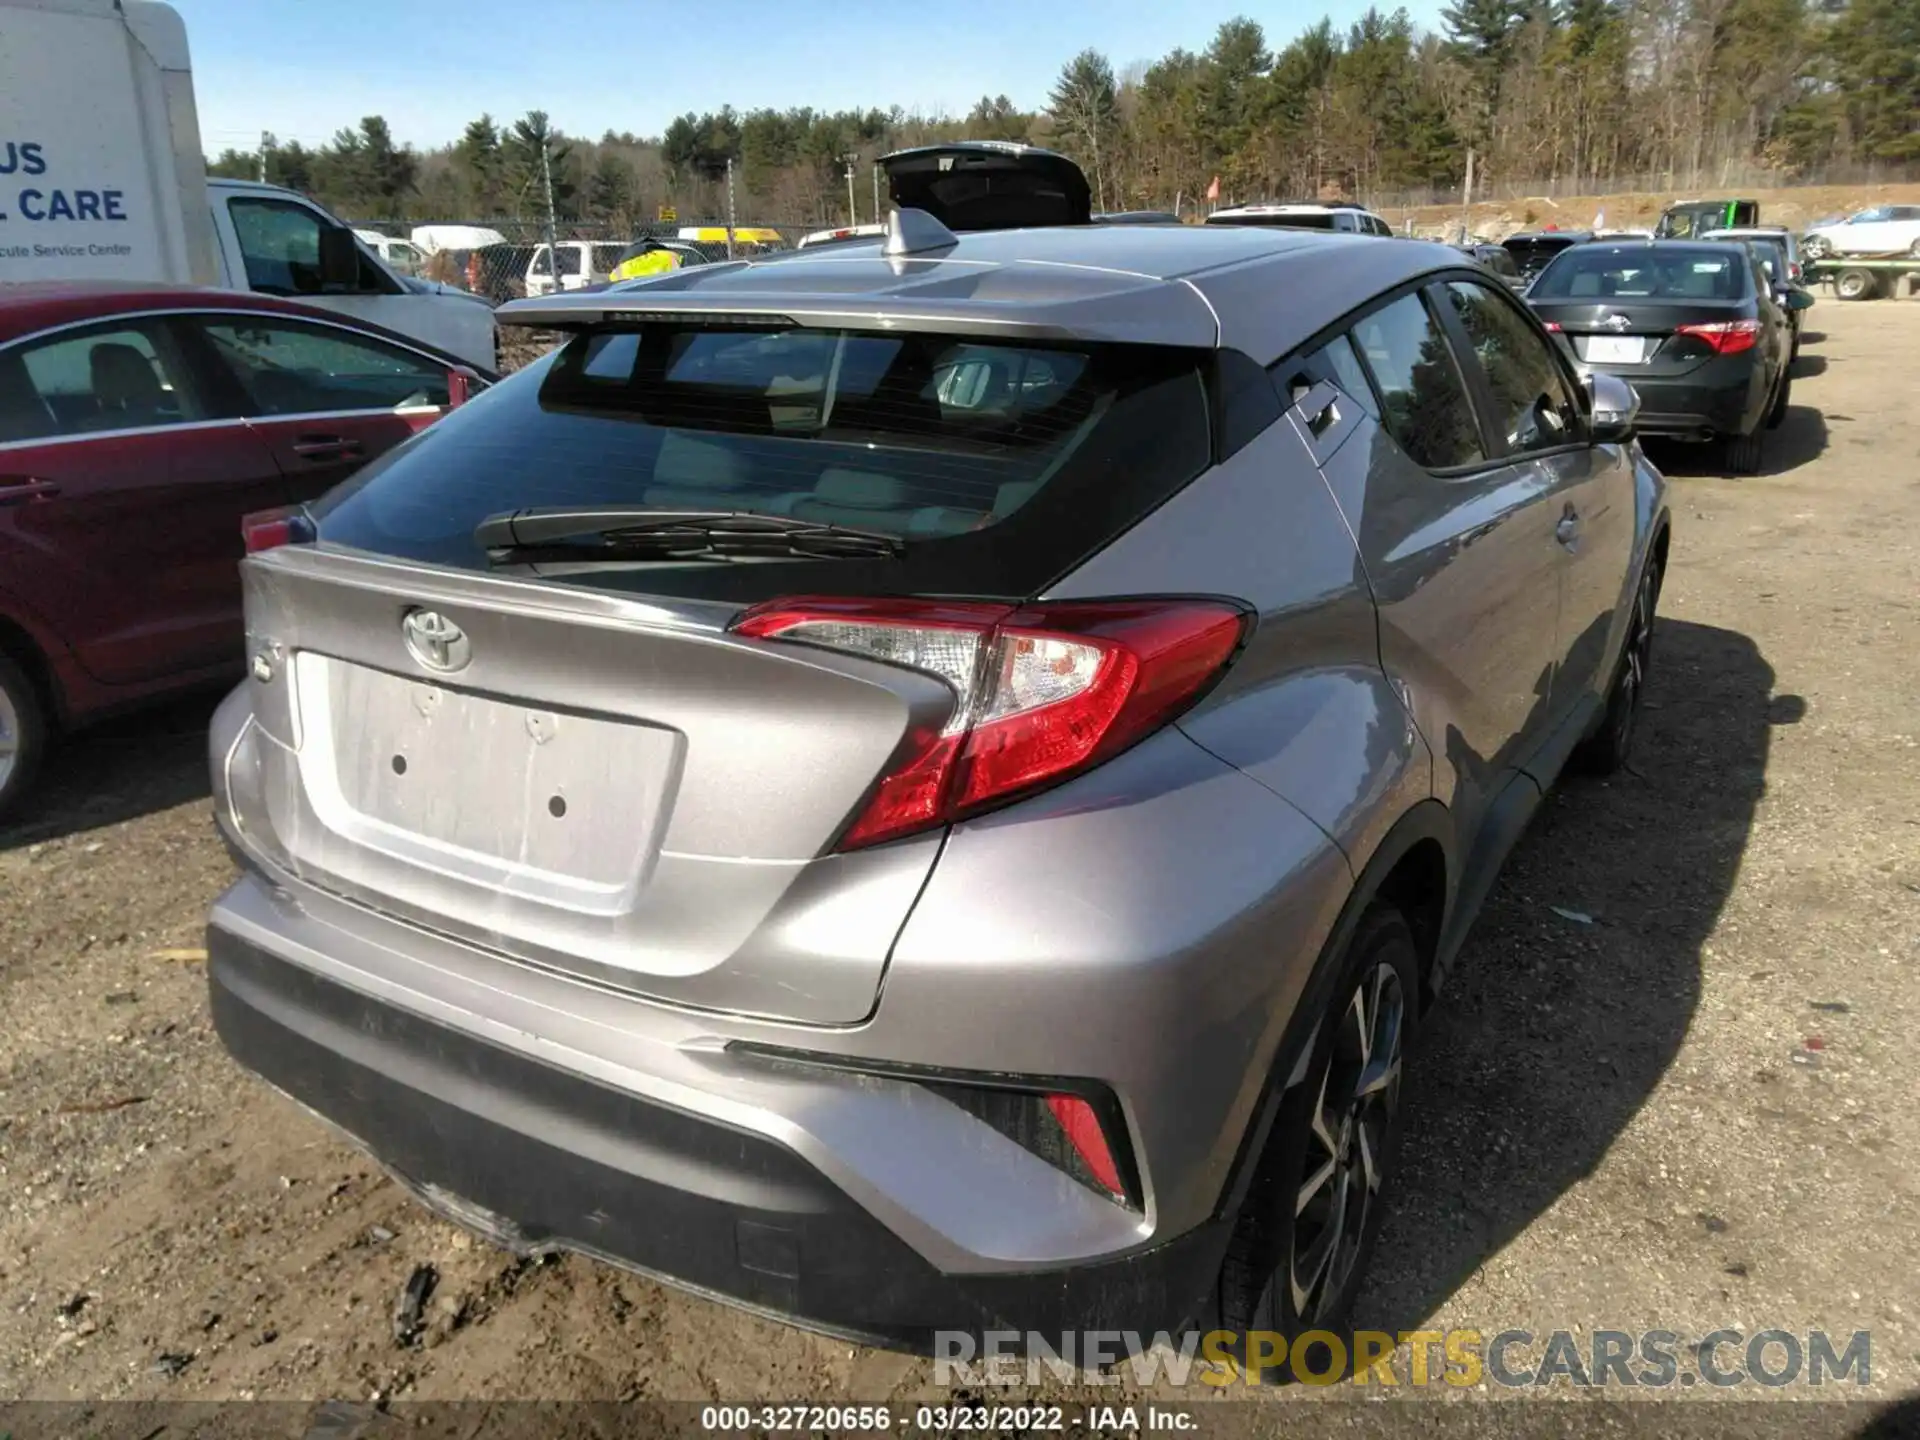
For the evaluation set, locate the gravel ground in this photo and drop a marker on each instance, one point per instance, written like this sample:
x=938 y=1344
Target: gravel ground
x=1671 y=1085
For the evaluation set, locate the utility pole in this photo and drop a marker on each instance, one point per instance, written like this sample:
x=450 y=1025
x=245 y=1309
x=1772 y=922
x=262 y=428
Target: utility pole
x=1466 y=201
x=546 y=180
x=266 y=143
x=853 y=210
x=729 y=207
x=876 y=192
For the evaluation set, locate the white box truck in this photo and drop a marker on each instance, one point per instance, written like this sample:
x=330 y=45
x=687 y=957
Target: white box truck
x=102 y=176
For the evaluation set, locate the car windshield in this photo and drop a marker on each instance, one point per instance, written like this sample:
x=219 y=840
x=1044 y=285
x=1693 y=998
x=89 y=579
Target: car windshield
x=1867 y=217
x=981 y=454
x=1652 y=272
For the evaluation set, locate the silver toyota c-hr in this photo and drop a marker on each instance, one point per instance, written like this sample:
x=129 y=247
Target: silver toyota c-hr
x=927 y=786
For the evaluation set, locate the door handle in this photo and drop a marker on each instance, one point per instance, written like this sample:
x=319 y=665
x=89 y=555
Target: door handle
x=327 y=447
x=1567 y=532
x=24 y=490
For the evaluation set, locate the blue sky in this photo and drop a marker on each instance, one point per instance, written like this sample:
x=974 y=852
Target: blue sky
x=305 y=68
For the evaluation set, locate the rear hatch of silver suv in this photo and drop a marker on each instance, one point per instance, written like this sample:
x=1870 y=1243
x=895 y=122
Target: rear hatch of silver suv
x=501 y=685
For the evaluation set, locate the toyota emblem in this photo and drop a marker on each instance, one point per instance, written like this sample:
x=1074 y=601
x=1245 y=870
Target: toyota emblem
x=435 y=641
x=1618 y=323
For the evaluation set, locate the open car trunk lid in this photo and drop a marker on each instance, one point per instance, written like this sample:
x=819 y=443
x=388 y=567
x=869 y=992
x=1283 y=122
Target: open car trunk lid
x=598 y=784
x=989 y=185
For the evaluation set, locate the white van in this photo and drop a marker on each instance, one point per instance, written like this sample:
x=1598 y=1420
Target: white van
x=400 y=256
x=102 y=177
x=582 y=262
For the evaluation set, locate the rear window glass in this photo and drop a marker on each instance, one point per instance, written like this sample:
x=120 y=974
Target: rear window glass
x=999 y=463
x=1650 y=272
x=1304 y=220
x=1531 y=256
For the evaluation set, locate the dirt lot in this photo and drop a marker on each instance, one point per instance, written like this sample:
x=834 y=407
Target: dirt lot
x=1672 y=1084
x=1797 y=208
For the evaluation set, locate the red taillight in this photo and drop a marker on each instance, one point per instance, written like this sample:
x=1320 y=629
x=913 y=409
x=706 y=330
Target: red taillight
x=1725 y=337
x=1553 y=325
x=270 y=529
x=1082 y=1129
x=1041 y=692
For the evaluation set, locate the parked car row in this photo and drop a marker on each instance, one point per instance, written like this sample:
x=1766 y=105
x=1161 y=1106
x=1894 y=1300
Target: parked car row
x=1706 y=329
x=1700 y=329
x=499 y=270
x=138 y=425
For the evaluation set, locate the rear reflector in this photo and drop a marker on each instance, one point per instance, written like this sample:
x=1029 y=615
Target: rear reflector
x=270 y=529
x=1076 y=1126
x=1080 y=1134
x=1725 y=337
x=1083 y=1132
x=1041 y=692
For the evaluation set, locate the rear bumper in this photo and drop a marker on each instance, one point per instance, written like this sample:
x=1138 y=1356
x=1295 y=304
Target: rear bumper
x=1718 y=399
x=538 y=1159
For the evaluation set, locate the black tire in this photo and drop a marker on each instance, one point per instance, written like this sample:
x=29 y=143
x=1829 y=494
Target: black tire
x=1856 y=284
x=1743 y=453
x=23 y=734
x=1778 y=411
x=1610 y=747
x=1257 y=1279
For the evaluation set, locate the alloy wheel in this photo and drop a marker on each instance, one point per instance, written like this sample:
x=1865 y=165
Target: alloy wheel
x=1633 y=671
x=10 y=737
x=1352 y=1117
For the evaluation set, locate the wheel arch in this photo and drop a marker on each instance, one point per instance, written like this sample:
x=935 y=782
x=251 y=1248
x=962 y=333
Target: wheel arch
x=20 y=645
x=1415 y=866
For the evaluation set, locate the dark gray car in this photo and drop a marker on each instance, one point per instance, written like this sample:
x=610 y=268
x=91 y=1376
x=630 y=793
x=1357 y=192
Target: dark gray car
x=930 y=786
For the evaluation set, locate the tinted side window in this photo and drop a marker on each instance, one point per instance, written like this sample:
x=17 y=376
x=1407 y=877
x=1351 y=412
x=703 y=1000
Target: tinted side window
x=1334 y=363
x=114 y=377
x=1424 y=403
x=1535 y=408
x=287 y=368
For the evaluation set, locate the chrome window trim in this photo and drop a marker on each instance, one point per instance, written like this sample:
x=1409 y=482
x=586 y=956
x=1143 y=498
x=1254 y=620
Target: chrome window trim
x=174 y=312
x=255 y=420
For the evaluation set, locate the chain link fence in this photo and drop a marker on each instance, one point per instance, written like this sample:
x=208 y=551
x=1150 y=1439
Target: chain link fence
x=508 y=258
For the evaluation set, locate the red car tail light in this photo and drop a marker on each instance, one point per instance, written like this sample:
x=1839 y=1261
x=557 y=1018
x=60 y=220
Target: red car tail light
x=1725 y=337
x=270 y=529
x=1041 y=692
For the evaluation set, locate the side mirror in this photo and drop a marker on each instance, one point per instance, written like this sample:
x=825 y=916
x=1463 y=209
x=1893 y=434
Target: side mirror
x=1798 y=300
x=462 y=384
x=1616 y=409
x=339 y=259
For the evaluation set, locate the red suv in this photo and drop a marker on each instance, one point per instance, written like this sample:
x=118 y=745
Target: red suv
x=137 y=425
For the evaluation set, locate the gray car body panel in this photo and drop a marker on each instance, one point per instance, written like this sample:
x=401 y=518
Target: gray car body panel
x=1150 y=924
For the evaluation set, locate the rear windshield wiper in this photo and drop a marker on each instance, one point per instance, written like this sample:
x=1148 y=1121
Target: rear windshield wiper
x=583 y=533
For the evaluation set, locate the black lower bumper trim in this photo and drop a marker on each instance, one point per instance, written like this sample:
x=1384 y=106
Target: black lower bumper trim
x=538 y=1158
